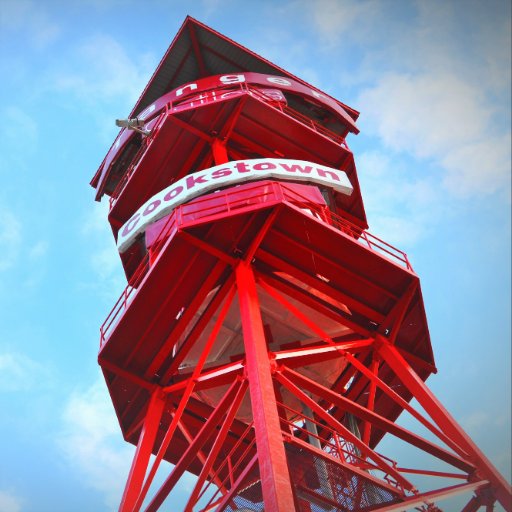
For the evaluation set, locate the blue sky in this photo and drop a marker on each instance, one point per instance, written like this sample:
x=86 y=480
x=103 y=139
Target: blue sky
x=432 y=82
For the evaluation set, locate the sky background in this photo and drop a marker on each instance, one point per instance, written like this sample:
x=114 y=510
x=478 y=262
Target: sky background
x=432 y=83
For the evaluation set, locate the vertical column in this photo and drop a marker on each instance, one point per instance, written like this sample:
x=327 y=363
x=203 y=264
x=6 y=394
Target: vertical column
x=220 y=154
x=144 y=449
x=275 y=477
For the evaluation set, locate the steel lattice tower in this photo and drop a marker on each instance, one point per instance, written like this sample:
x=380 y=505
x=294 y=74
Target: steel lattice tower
x=265 y=342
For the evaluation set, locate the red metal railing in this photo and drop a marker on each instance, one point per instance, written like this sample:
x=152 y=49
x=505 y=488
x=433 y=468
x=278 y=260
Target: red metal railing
x=233 y=463
x=255 y=93
x=235 y=199
x=227 y=201
x=303 y=119
x=363 y=237
x=334 y=445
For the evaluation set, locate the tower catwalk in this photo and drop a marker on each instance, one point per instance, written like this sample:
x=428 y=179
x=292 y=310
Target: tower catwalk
x=265 y=342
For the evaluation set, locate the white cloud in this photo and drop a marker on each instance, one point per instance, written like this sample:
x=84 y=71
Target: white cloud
x=36 y=269
x=19 y=372
x=96 y=222
x=18 y=129
x=104 y=260
x=334 y=19
x=434 y=82
x=104 y=256
x=19 y=133
x=31 y=18
x=38 y=251
x=424 y=114
x=482 y=167
x=441 y=118
x=471 y=38
x=91 y=442
x=10 y=239
x=9 y=502
x=102 y=70
x=399 y=204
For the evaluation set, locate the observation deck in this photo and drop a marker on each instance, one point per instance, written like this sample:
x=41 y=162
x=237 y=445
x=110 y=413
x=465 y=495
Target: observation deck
x=305 y=257
x=181 y=139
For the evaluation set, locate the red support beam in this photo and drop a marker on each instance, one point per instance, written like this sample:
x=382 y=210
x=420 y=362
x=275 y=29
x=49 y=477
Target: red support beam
x=198 y=328
x=377 y=420
x=374 y=369
x=269 y=221
x=394 y=318
x=360 y=474
x=445 y=421
x=203 y=435
x=340 y=269
x=345 y=432
x=187 y=269
x=309 y=299
x=197 y=52
x=216 y=377
x=416 y=361
x=353 y=304
x=472 y=505
x=217 y=445
x=439 y=494
x=274 y=473
x=200 y=454
x=310 y=323
x=308 y=355
x=144 y=449
x=190 y=311
x=183 y=402
x=220 y=154
x=205 y=246
x=192 y=129
x=125 y=374
x=374 y=379
x=236 y=486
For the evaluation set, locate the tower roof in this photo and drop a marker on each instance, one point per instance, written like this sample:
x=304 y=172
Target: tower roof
x=198 y=51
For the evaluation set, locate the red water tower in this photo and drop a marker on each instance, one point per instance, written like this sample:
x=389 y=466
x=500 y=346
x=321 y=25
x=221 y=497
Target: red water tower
x=265 y=342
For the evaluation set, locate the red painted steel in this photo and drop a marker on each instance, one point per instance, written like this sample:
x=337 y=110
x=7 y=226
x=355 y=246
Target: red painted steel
x=144 y=450
x=265 y=341
x=443 y=418
x=275 y=480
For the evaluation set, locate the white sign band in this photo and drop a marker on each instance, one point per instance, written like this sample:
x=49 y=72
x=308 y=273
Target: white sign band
x=230 y=173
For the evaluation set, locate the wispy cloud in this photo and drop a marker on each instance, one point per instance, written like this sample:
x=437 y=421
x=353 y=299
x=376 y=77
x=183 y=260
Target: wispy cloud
x=10 y=238
x=9 y=502
x=108 y=279
x=398 y=202
x=29 y=261
x=92 y=443
x=333 y=19
x=18 y=372
x=19 y=132
x=37 y=258
x=31 y=18
x=442 y=118
x=433 y=88
x=494 y=431
x=38 y=251
x=103 y=76
x=105 y=258
x=102 y=70
x=16 y=121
